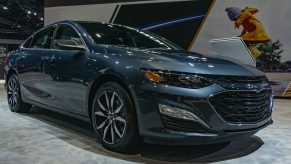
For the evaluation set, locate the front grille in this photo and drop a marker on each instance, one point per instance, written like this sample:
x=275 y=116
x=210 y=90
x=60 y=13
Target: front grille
x=181 y=125
x=238 y=79
x=239 y=107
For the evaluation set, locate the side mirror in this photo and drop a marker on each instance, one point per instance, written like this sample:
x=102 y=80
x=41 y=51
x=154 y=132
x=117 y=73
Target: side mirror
x=69 y=45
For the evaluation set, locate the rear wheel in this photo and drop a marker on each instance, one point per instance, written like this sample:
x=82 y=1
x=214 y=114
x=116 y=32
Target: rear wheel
x=14 y=97
x=114 y=119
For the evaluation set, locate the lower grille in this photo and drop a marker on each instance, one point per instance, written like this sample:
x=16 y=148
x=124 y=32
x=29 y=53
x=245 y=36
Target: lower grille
x=239 y=107
x=177 y=124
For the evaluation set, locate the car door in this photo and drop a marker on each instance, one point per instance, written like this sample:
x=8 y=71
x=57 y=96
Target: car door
x=63 y=83
x=29 y=63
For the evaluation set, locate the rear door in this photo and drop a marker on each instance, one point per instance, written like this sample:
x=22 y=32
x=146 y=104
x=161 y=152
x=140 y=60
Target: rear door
x=63 y=80
x=29 y=63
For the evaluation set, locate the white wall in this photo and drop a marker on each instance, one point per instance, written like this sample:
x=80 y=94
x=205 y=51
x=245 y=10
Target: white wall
x=94 y=12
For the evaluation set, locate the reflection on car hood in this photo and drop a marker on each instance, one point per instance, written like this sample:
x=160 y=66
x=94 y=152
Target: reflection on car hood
x=187 y=62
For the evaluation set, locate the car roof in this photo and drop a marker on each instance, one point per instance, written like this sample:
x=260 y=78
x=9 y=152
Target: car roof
x=77 y=22
x=72 y=22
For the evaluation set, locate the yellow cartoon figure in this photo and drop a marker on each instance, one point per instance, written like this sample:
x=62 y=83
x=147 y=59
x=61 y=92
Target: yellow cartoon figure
x=253 y=30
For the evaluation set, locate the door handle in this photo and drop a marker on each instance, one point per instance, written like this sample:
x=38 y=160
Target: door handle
x=48 y=59
x=45 y=58
x=53 y=58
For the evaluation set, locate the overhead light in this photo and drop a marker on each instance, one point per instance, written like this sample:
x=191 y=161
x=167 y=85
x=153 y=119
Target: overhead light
x=34 y=13
x=41 y=19
x=28 y=12
x=5 y=8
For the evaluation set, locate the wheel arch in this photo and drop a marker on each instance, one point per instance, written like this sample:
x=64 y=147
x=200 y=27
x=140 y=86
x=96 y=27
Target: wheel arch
x=101 y=80
x=10 y=72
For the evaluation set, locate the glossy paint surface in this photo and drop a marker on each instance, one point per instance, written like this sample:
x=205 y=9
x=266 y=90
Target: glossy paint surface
x=62 y=80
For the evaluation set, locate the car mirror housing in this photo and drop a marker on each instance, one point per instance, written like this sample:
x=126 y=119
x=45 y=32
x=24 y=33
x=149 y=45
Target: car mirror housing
x=69 y=45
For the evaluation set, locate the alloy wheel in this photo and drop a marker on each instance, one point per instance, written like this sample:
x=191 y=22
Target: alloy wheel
x=110 y=117
x=12 y=92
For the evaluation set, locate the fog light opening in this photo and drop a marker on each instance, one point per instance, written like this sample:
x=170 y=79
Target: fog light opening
x=180 y=113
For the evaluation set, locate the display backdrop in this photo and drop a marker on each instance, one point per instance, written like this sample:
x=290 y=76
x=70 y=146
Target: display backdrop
x=191 y=24
x=267 y=32
x=176 y=21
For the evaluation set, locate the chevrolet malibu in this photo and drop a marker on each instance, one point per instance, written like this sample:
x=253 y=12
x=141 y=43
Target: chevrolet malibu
x=135 y=86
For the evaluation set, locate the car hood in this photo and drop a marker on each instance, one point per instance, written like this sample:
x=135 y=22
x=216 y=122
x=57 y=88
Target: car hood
x=186 y=62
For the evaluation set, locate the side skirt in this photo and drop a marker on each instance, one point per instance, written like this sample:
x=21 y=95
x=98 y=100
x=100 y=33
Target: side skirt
x=70 y=114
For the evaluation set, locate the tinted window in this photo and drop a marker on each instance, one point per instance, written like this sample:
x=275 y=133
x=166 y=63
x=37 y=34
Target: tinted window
x=125 y=36
x=67 y=33
x=43 y=38
x=27 y=43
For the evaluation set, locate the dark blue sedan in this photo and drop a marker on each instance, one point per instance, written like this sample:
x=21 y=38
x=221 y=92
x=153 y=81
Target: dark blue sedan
x=135 y=86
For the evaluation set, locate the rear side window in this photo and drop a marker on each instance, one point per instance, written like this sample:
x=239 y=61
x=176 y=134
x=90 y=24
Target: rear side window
x=27 y=43
x=42 y=39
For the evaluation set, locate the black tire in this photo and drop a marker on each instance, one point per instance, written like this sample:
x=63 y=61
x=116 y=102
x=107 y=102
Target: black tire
x=15 y=102
x=111 y=117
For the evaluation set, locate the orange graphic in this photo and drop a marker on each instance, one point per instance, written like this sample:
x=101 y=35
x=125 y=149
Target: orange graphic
x=253 y=31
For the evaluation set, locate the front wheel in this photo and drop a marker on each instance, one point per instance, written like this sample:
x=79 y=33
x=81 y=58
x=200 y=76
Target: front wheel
x=14 y=97
x=114 y=119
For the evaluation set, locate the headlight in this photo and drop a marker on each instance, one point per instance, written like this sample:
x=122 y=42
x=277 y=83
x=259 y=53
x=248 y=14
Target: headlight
x=176 y=79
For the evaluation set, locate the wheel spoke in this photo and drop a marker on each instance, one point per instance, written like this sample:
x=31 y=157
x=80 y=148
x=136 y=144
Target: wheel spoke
x=9 y=86
x=14 y=98
x=112 y=133
x=9 y=93
x=13 y=103
x=118 y=109
x=117 y=131
x=120 y=119
x=102 y=124
x=107 y=101
x=99 y=113
x=105 y=131
x=112 y=101
x=10 y=98
x=101 y=106
x=16 y=89
x=13 y=85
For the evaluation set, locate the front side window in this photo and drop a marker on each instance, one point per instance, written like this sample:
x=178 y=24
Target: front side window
x=42 y=39
x=125 y=36
x=68 y=34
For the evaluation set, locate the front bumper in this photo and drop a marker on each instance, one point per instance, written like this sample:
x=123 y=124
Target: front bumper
x=180 y=138
x=154 y=129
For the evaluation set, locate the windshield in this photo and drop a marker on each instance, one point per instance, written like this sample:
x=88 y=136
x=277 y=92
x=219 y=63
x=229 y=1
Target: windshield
x=126 y=36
